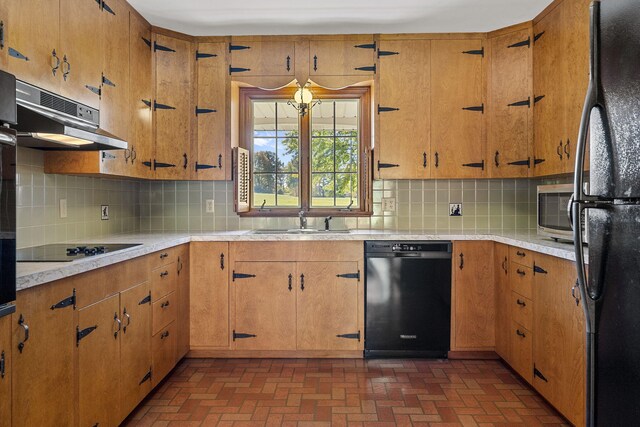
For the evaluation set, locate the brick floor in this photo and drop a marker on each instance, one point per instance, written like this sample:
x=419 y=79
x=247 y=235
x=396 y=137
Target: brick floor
x=304 y=392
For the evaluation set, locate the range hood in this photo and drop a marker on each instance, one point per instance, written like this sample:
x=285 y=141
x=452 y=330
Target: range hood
x=51 y=122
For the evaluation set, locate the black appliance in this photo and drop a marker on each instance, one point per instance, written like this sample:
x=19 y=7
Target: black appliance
x=408 y=299
x=60 y=252
x=7 y=193
x=610 y=130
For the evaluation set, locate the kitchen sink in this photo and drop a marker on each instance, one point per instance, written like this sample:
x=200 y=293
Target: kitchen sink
x=301 y=231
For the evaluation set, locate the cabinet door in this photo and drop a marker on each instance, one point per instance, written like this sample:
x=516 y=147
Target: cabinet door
x=559 y=338
x=135 y=347
x=81 y=44
x=327 y=306
x=209 y=304
x=140 y=97
x=32 y=32
x=503 y=293
x=474 y=296
x=43 y=372
x=342 y=57
x=548 y=91
x=265 y=306
x=173 y=109
x=183 y=296
x=255 y=58
x=509 y=127
x=5 y=371
x=114 y=101
x=4 y=16
x=211 y=162
x=404 y=110
x=99 y=363
x=163 y=353
x=457 y=141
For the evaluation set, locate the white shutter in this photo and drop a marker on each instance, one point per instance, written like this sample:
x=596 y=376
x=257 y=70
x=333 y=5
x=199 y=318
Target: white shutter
x=242 y=179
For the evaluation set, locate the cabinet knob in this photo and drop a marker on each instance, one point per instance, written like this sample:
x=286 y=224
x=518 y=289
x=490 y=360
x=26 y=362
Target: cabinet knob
x=164 y=274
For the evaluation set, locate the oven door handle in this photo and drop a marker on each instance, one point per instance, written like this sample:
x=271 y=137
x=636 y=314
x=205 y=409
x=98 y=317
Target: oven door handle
x=7 y=138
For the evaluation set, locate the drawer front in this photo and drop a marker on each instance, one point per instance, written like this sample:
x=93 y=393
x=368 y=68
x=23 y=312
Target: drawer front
x=164 y=349
x=521 y=351
x=164 y=280
x=521 y=256
x=521 y=279
x=522 y=310
x=163 y=258
x=164 y=311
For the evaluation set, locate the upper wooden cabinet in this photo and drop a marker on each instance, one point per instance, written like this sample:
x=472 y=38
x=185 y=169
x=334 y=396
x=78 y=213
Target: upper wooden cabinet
x=261 y=58
x=510 y=106
x=457 y=106
x=403 y=110
x=173 y=108
x=351 y=57
x=211 y=161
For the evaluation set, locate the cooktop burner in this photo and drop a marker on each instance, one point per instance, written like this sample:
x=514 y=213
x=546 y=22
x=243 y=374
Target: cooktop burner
x=61 y=252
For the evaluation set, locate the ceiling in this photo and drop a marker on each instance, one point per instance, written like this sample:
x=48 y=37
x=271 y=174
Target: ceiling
x=273 y=17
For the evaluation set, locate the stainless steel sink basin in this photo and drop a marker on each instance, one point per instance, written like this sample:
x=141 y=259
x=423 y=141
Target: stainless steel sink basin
x=301 y=231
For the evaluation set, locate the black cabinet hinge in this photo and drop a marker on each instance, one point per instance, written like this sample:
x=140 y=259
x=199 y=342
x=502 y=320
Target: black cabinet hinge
x=157 y=165
x=538 y=161
x=523 y=43
x=539 y=270
x=237 y=70
x=241 y=276
x=537 y=373
x=105 y=7
x=146 y=377
x=146 y=41
x=14 y=53
x=233 y=47
x=355 y=336
x=386 y=109
x=479 y=108
x=366 y=46
x=201 y=55
x=157 y=47
x=537 y=99
x=479 y=165
x=526 y=163
x=106 y=81
x=537 y=36
x=350 y=275
x=205 y=111
x=475 y=52
x=387 y=165
x=80 y=334
x=200 y=166
x=525 y=103
x=158 y=106
x=148 y=164
x=239 y=336
x=146 y=102
x=107 y=156
x=94 y=89
x=67 y=302
x=387 y=53
x=145 y=300
x=371 y=68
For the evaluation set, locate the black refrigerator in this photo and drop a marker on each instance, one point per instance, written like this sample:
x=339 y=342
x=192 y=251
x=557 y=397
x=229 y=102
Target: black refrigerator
x=610 y=132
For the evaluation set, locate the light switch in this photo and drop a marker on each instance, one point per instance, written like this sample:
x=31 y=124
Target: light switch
x=209 y=207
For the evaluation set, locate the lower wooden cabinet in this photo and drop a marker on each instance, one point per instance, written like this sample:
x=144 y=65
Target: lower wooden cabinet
x=163 y=349
x=521 y=344
x=183 y=293
x=5 y=370
x=503 y=291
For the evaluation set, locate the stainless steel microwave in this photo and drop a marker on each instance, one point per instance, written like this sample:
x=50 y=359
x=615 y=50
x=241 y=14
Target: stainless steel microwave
x=553 y=212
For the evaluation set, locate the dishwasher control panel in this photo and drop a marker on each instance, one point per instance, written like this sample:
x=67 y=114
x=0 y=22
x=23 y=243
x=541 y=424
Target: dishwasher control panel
x=399 y=247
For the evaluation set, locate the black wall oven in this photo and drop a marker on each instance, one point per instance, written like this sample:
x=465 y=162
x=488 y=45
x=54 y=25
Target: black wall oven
x=7 y=193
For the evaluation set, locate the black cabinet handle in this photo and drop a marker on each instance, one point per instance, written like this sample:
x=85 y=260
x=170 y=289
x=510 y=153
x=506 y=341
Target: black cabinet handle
x=164 y=304
x=567 y=148
x=520 y=334
x=437 y=162
x=496 y=159
x=520 y=254
x=54 y=56
x=288 y=63
x=221 y=261
x=66 y=68
x=186 y=161
x=2 y=365
x=25 y=327
x=2 y=41
x=461 y=260
x=219 y=161
x=315 y=62
x=164 y=335
x=164 y=255
x=504 y=264
x=302 y=282
x=559 y=150
x=290 y=282
x=164 y=274
x=424 y=159
x=521 y=303
x=520 y=272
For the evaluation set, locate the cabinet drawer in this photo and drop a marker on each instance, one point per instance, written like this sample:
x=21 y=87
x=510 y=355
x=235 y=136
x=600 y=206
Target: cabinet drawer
x=163 y=258
x=521 y=310
x=521 y=280
x=164 y=311
x=521 y=351
x=163 y=348
x=164 y=280
x=520 y=256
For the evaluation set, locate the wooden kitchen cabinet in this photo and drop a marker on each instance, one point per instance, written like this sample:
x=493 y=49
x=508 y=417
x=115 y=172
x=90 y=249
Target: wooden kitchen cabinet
x=510 y=106
x=183 y=296
x=350 y=57
x=43 y=371
x=173 y=108
x=327 y=306
x=559 y=340
x=457 y=105
x=5 y=370
x=256 y=58
x=163 y=351
x=213 y=156
x=4 y=16
x=403 y=141
x=503 y=293
x=521 y=345
x=209 y=302
x=473 y=311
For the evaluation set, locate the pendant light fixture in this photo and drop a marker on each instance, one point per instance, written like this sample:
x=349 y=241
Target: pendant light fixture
x=303 y=99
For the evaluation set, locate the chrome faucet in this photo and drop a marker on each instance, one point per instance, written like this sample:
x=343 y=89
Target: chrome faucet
x=326 y=222
x=303 y=219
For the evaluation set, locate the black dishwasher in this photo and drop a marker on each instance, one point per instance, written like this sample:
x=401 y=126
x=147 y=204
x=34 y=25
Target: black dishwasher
x=408 y=299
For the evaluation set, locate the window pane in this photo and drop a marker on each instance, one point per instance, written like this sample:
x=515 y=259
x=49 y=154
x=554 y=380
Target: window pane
x=346 y=113
x=346 y=155
x=322 y=189
x=346 y=189
x=288 y=119
x=288 y=155
x=288 y=190
x=322 y=119
x=322 y=154
x=264 y=188
x=264 y=155
x=264 y=118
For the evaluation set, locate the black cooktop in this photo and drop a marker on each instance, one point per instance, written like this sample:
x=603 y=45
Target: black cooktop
x=61 y=252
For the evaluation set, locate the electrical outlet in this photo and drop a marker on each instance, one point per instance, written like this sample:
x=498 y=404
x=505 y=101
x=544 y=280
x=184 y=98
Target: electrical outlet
x=104 y=212
x=63 y=208
x=209 y=207
x=455 y=209
x=388 y=204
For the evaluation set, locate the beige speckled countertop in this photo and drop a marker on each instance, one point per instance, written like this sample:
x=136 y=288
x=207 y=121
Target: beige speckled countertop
x=36 y=273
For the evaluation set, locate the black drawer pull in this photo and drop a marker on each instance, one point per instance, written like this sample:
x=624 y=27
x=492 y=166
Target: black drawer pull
x=520 y=254
x=520 y=334
x=521 y=273
x=521 y=303
x=164 y=335
x=164 y=304
x=164 y=274
x=164 y=255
